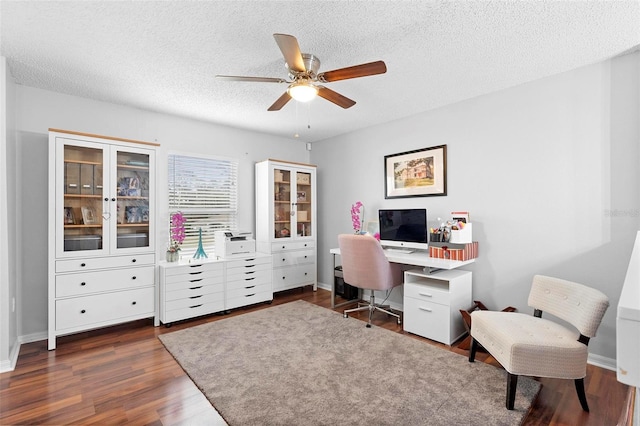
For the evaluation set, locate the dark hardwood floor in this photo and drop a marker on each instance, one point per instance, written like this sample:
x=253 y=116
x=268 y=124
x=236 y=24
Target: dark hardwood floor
x=123 y=374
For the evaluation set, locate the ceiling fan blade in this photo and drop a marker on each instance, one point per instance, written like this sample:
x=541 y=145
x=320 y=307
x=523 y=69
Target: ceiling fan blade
x=253 y=79
x=290 y=49
x=282 y=101
x=363 y=70
x=335 y=97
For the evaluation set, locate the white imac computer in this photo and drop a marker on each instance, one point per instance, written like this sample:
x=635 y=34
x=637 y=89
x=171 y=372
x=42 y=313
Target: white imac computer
x=404 y=229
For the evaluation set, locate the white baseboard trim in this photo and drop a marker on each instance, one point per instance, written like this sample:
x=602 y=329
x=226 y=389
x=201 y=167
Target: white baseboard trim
x=603 y=362
x=33 y=337
x=10 y=364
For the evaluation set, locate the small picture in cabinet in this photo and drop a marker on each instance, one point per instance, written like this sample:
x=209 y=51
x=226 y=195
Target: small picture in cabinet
x=89 y=216
x=69 y=218
x=134 y=214
x=302 y=196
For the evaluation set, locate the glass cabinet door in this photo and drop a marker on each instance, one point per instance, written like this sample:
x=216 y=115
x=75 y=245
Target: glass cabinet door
x=132 y=194
x=303 y=204
x=81 y=214
x=282 y=203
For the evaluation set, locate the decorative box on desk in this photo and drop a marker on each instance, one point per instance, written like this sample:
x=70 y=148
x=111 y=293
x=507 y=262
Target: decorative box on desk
x=453 y=251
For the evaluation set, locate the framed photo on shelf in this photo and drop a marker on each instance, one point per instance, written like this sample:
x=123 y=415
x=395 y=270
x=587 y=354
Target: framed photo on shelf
x=89 y=216
x=302 y=196
x=419 y=173
x=69 y=218
x=133 y=214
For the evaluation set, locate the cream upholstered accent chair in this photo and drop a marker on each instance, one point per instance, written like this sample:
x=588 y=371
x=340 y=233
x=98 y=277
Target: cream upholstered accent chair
x=365 y=266
x=528 y=345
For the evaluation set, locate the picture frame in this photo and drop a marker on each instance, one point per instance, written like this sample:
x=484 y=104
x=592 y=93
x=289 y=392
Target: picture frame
x=302 y=196
x=69 y=217
x=134 y=214
x=418 y=173
x=89 y=216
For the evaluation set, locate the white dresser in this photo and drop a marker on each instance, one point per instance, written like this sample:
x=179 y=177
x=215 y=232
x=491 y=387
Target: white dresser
x=432 y=303
x=294 y=264
x=192 y=288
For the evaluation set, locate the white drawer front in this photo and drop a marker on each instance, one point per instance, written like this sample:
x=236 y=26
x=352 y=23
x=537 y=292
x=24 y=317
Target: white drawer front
x=249 y=299
x=192 y=292
x=293 y=258
x=295 y=276
x=195 y=301
x=249 y=279
x=194 y=282
x=241 y=274
x=427 y=319
x=249 y=261
x=292 y=245
x=192 y=311
x=99 y=309
x=195 y=276
x=92 y=263
x=210 y=267
x=247 y=289
x=95 y=282
x=427 y=293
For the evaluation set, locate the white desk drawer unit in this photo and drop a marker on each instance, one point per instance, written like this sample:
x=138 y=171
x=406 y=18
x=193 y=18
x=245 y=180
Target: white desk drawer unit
x=432 y=303
x=191 y=290
x=248 y=280
x=84 y=283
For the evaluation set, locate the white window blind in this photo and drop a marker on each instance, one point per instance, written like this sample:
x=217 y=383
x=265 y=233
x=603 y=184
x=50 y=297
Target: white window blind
x=205 y=190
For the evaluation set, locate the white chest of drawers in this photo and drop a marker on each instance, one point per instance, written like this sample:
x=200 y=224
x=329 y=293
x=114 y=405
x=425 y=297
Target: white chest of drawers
x=294 y=264
x=248 y=280
x=190 y=290
x=203 y=287
x=432 y=303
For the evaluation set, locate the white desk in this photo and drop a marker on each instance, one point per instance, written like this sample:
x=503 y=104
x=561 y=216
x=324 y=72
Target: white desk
x=416 y=258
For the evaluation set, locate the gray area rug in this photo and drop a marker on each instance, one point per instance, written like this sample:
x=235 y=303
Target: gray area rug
x=301 y=364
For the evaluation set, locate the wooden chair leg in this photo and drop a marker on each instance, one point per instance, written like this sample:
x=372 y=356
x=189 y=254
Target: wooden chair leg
x=512 y=384
x=581 y=394
x=472 y=351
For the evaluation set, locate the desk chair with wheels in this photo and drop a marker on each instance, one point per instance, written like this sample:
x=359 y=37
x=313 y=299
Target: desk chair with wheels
x=365 y=266
x=532 y=346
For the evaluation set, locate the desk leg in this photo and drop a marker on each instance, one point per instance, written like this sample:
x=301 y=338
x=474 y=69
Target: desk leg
x=333 y=284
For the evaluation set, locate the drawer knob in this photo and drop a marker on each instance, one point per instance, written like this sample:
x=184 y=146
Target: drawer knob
x=83 y=283
x=113 y=199
x=283 y=247
x=134 y=302
x=83 y=311
x=133 y=277
x=283 y=278
x=305 y=273
x=82 y=265
x=133 y=260
x=106 y=198
x=284 y=260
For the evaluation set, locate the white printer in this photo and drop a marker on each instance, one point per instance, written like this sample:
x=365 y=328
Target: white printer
x=229 y=243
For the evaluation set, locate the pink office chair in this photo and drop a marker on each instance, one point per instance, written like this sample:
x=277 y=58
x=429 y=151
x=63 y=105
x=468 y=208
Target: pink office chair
x=365 y=266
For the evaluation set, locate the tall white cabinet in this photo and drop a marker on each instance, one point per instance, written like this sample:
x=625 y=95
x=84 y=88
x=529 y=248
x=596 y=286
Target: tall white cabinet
x=286 y=222
x=102 y=215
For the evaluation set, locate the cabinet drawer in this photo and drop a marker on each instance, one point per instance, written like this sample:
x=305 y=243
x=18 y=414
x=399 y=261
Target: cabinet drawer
x=192 y=311
x=242 y=274
x=247 y=288
x=295 y=276
x=428 y=293
x=249 y=299
x=176 y=293
x=95 y=282
x=192 y=269
x=249 y=279
x=217 y=281
x=293 y=258
x=195 y=276
x=427 y=319
x=101 y=309
x=292 y=245
x=91 y=263
x=248 y=262
x=195 y=301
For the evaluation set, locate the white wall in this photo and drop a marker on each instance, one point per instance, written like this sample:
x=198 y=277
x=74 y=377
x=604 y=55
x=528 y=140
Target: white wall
x=548 y=171
x=38 y=110
x=8 y=314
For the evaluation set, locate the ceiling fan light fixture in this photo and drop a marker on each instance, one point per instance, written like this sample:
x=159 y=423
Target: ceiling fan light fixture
x=302 y=91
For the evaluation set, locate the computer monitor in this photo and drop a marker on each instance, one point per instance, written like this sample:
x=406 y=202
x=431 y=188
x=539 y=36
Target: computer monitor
x=404 y=228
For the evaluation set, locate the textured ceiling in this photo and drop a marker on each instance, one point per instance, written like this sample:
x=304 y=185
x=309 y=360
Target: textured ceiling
x=163 y=56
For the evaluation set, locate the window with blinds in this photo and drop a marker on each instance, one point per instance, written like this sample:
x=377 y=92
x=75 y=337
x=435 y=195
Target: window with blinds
x=205 y=190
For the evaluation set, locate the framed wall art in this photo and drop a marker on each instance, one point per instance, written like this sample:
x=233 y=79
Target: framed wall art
x=419 y=173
